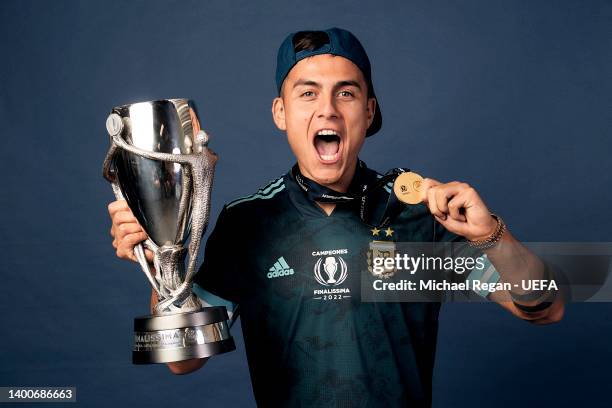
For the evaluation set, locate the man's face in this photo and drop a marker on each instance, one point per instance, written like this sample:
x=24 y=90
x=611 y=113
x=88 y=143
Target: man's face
x=325 y=110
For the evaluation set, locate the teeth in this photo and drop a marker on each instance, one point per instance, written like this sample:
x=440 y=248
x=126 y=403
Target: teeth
x=327 y=132
x=328 y=156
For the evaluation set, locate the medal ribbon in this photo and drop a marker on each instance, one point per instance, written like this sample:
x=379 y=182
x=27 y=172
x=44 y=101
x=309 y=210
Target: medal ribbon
x=322 y=194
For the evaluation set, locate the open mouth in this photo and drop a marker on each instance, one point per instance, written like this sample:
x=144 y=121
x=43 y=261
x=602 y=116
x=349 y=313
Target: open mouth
x=327 y=144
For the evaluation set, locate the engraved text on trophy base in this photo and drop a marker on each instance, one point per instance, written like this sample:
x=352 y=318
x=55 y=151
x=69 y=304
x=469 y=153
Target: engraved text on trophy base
x=180 y=338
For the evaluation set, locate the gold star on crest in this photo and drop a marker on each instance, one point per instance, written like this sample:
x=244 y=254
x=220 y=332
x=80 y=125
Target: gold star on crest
x=375 y=231
x=388 y=232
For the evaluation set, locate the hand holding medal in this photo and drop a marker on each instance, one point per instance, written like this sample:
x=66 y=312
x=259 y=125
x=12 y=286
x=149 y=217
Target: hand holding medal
x=457 y=206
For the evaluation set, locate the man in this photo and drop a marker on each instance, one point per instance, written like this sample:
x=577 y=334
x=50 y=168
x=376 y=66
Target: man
x=291 y=255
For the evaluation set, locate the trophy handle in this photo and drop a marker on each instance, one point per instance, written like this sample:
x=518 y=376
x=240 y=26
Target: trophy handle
x=138 y=249
x=200 y=166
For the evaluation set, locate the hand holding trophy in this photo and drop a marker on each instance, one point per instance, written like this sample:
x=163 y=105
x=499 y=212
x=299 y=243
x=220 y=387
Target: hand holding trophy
x=160 y=164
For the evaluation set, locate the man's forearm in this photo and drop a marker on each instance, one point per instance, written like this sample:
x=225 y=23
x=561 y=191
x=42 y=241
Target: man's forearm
x=516 y=264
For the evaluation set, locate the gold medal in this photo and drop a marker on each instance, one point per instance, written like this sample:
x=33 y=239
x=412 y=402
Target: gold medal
x=407 y=187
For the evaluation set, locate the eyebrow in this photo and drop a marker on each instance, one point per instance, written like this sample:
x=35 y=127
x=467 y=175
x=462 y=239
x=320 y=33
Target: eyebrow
x=348 y=83
x=305 y=82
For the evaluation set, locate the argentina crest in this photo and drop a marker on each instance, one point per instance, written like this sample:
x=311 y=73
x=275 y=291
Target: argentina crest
x=381 y=250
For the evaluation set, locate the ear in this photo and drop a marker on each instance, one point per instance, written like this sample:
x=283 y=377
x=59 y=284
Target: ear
x=371 y=110
x=278 y=113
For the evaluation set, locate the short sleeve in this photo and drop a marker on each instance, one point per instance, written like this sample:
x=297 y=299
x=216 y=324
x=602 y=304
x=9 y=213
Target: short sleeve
x=217 y=282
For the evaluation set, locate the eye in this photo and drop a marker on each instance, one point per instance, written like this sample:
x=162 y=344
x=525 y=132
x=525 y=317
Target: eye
x=345 y=94
x=307 y=94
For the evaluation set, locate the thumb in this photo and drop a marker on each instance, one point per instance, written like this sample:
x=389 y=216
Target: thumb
x=426 y=184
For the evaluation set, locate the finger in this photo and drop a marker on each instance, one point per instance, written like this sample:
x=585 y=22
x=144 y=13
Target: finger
x=446 y=193
x=121 y=217
x=125 y=229
x=149 y=255
x=426 y=185
x=118 y=205
x=126 y=253
x=442 y=194
x=452 y=225
x=134 y=238
x=432 y=203
x=126 y=247
x=454 y=208
x=466 y=198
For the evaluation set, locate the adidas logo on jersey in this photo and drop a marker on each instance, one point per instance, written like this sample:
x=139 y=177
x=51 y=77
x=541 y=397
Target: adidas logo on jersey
x=280 y=268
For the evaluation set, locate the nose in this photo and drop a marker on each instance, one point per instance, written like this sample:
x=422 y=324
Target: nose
x=327 y=107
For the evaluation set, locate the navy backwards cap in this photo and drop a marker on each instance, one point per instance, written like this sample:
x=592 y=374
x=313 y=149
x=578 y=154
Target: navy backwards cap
x=341 y=43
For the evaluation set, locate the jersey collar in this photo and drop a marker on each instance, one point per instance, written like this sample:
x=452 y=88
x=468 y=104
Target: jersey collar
x=309 y=208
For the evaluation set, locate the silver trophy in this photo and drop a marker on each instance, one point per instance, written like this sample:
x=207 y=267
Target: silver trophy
x=160 y=164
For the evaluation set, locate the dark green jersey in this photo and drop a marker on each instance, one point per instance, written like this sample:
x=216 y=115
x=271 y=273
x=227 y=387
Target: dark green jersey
x=295 y=272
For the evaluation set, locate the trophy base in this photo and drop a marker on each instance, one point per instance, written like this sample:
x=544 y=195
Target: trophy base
x=181 y=336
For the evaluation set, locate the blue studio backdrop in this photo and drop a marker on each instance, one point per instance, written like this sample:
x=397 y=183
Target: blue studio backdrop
x=513 y=97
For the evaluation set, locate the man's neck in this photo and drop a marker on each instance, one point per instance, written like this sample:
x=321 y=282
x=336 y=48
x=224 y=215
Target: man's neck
x=341 y=186
x=327 y=207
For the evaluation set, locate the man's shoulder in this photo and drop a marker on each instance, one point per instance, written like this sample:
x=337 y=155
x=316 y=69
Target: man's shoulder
x=267 y=196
